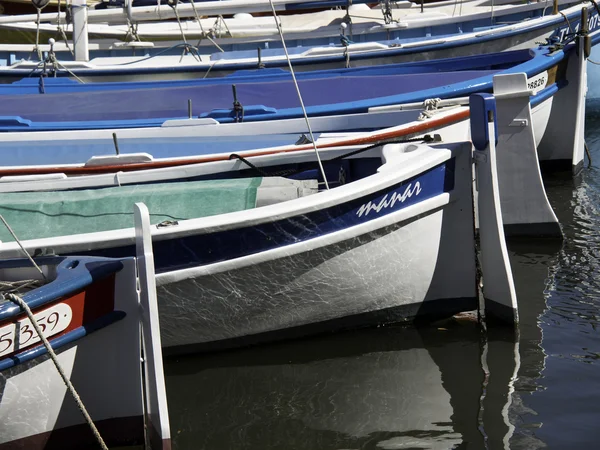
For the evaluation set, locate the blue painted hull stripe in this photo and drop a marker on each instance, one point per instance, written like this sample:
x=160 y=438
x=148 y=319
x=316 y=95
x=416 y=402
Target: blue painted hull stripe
x=61 y=341
x=204 y=249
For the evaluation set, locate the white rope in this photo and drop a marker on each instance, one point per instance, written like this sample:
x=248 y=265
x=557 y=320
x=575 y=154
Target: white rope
x=225 y=25
x=204 y=33
x=37 y=34
x=312 y=138
x=179 y=22
x=19 y=285
x=61 y=29
x=19 y=301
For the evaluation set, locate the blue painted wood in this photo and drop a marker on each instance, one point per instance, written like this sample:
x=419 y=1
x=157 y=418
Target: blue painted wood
x=61 y=341
x=394 y=39
x=72 y=275
x=327 y=96
x=56 y=85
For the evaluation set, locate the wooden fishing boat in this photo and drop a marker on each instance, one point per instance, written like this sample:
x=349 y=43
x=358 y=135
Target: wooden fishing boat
x=89 y=311
x=402 y=209
x=188 y=141
x=347 y=92
x=360 y=18
x=125 y=61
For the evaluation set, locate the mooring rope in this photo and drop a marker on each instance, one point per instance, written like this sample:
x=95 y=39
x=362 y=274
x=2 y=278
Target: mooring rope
x=22 y=248
x=19 y=286
x=426 y=139
x=173 y=5
x=312 y=138
x=204 y=33
x=61 y=30
x=587 y=151
x=37 y=34
x=25 y=307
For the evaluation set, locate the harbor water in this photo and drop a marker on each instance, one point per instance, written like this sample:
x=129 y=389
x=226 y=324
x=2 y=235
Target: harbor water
x=445 y=385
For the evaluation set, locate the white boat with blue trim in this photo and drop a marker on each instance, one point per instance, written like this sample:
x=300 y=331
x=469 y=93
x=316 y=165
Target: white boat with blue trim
x=71 y=336
x=428 y=39
x=274 y=259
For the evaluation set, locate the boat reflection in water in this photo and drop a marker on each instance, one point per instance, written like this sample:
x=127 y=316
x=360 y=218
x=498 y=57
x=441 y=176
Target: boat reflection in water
x=534 y=264
x=445 y=385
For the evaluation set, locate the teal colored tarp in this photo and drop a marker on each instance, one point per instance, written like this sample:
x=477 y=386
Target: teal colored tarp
x=35 y=215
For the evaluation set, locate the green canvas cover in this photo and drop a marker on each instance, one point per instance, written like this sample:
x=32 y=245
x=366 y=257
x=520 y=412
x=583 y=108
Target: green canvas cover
x=35 y=215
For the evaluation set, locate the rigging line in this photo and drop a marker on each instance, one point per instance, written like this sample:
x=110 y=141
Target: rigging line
x=312 y=138
x=10 y=230
x=204 y=33
x=174 y=7
x=60 y=28
x=37 y=34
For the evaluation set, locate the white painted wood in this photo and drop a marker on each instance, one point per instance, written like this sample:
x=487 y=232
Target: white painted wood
x=525 y=207
x=563 y=139
x=498 y=285
x=158 y=434
x=80 y=30
x=579 y=76
x=216 y=8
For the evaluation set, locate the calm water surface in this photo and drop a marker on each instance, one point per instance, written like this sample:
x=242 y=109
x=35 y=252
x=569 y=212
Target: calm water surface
x=444 y=386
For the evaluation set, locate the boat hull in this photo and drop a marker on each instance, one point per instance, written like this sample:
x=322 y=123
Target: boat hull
x=36 y=409
x=415 y=262
x=383 y=276
x=369 y=50
x=395 y=245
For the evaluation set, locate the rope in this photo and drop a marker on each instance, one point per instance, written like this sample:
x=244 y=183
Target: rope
x=430 y=107
x=22 y=248
x=61 y=30
x=567 y=20
x=37 y=34
x=19 y=286
x=132 y=32
x=19 y=301
x=386 y=11
x=347 y=56
x=209 y=69
x=225 y=25
x=58 y=65
x=587 y=151
x=25 y=307
x=204 y=33
x=173 y=5
x=312 y=138
x=596 y=6
x=283 y=173
x=425 y=138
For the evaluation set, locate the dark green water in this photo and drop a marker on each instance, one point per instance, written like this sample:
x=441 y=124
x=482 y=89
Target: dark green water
x=444 y=386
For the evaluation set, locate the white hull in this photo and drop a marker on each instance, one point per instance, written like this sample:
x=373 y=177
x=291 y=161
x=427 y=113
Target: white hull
x=114 y=64
x=37 y=411
x=383 y=273
x=333 y=276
